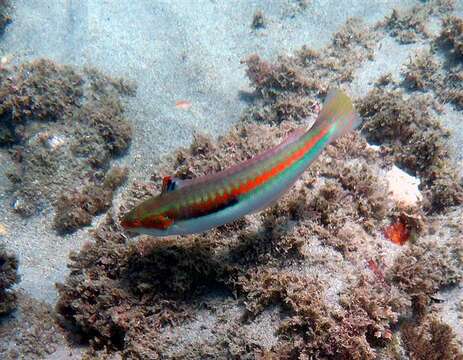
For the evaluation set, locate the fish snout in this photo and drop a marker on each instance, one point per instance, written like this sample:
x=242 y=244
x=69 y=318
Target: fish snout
x=130 y=221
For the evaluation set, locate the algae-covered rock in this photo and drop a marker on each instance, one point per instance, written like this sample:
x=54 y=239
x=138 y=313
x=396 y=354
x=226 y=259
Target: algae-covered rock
x=452 y=34
x=77 y=208
x=410 y=25
x=417 y=142
x=62 y=126
x=32 y=333
x=8 y=277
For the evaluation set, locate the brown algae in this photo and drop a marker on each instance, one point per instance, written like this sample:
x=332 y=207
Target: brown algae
x=62 y=127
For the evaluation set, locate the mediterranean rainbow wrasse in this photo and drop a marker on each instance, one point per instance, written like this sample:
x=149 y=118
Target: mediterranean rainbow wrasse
x=196 y=205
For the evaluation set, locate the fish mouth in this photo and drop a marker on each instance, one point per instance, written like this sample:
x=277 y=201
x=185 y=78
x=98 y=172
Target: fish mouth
x=158 y=223
x=129 y=222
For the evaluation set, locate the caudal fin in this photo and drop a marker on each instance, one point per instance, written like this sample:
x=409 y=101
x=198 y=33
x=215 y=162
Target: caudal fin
x=339 y=111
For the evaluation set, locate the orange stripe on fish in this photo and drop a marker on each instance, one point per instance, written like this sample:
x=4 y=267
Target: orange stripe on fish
x=195 y=205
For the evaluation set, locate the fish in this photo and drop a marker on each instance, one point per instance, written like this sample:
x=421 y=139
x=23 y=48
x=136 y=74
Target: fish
x=196 y=205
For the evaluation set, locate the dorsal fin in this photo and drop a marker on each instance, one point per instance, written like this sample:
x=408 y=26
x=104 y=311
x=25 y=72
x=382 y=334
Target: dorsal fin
x=171 y=183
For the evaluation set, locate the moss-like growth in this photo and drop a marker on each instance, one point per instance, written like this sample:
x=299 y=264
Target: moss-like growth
x=77 y=209
x=445 y=77
x=288 y=89
x=384 y=80
x=449 y=86
x=452 y=35
x=32 y=333
x=8 y=277
x=169 y=278
x=431 y=339
x=62 y=125
x=416 y=140
x=314 y=328
x=409 y=25
x=426 y=267
x=421 y=72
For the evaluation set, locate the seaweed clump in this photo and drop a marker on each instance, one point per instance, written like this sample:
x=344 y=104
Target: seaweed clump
x=314 y=328
x=416 y=141
x=77 y=209
x=8 y=277
x=32 y=333
x=432 y=339
x=421 y=72
x=444 y=77
x=409 y=25
x=452 y=34
x=425 y=268
x=172 y=279
x=287 y=90
x=61 y=127
x=450 y=89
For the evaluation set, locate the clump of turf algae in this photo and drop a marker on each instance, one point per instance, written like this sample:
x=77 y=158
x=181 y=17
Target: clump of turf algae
x=8 y=278
x=287 y=90
x=32 y=333
x=416 y=140
x=61 y=126
x=77 y=208
x=411 y=25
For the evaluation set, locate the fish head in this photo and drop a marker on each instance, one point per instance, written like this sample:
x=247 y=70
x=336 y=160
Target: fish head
x=150 y=217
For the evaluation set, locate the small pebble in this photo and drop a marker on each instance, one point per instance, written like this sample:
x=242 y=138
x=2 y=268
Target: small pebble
x=3 y=230
x=403 y=188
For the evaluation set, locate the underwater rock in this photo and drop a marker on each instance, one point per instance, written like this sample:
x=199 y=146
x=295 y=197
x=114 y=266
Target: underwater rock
x=62 y=126
x=403 y=187
x=77 y=208
x=8 y=277
x=416 y=140
x=32 y=332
